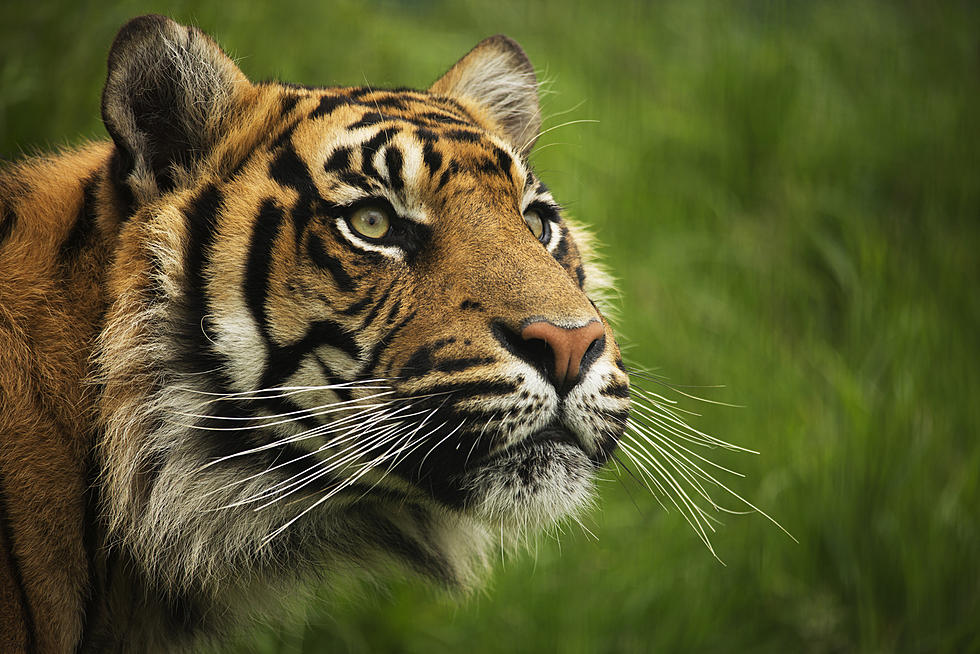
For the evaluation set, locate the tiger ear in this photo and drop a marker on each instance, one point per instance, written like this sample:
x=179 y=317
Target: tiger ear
x=167 y=91
x=498 y=76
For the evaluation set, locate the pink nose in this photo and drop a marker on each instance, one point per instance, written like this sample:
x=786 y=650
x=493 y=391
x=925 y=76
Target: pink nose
x=568 y=346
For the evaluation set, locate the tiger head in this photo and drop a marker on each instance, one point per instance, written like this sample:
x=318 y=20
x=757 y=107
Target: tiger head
x=345 y=322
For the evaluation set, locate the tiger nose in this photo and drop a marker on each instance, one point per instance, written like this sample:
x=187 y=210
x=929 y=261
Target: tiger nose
x=568 y=347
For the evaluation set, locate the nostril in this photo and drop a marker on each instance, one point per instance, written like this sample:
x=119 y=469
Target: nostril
x=535 y=351
x=593 y=352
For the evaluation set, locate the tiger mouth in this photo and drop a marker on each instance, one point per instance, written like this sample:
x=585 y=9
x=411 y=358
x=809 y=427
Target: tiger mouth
x=551 y=436
x=553 y=433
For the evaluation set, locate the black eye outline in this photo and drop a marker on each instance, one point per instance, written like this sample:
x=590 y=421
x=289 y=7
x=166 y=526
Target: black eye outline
x=407 y=235
x=548 y=215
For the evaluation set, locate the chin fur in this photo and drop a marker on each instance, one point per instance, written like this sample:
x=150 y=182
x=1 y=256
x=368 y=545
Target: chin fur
x=531 y=486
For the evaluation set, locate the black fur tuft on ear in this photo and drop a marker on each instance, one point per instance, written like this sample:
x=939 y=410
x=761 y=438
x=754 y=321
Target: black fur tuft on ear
x=499 y=78
x=168 y=89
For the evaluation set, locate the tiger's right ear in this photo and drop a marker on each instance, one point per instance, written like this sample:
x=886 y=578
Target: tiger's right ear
x=168 y=90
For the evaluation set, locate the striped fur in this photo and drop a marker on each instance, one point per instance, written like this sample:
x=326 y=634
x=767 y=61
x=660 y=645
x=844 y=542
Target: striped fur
x=213 y=385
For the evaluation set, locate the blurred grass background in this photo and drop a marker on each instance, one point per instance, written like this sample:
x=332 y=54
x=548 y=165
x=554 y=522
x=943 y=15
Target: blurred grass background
x=789 y=193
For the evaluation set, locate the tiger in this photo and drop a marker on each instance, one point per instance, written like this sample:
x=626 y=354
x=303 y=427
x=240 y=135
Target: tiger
x=267 y=335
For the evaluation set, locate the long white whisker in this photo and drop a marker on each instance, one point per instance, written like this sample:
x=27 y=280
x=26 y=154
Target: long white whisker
x=314 y=412
x=348 y=434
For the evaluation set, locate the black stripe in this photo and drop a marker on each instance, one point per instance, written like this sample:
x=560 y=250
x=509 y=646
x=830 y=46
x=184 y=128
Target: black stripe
x=488 y=166
x=393 y=161
x=328 y=332
x=339 y=160
x=459 y=365
x=504 y=160
x=287 y=169
x=359 y=92
x=283 y=361
x=389 y=102
x=418 y=364
x=368 y=119
x=421 y=364
x=450 y=170
x=288 y=102
x=368 y=319
x=440 y=117
x=450 y=105
x=561 y=248
x=431 y=158
x=393 y=311
x=358 y=306
x=580 y=276
x=471 y=389
x=202 y=223
x=464 y=135
x=396 y=541
x=282 y=140
x=383 y=341
x=371 y=146
x=327 y=105
x=617 y=389
x=14 y=563
x=357 y=180
x=324 y=261
x=268 y=225
x=8 y=219
x=85 y=223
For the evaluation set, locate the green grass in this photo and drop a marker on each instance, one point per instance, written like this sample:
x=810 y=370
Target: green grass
x=790 y=196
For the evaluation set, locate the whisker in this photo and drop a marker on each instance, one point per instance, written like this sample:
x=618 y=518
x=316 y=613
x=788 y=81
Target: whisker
x=314 y=412
x=348 y=434
x=284 y=391
x=559 y=125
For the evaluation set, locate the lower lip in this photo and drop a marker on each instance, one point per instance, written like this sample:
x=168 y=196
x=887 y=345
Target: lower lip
x=553 y=434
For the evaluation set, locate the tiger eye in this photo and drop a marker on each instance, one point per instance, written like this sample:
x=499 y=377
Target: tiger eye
x=370 y=221
x=535 y=223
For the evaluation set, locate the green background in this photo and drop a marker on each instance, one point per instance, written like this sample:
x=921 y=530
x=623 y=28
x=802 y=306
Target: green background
x=789 y=194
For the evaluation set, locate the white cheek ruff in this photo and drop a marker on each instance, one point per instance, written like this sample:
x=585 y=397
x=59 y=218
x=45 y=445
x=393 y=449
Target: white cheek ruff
x=389 y=251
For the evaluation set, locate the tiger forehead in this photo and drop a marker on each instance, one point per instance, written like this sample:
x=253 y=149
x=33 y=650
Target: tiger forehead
x=387 y=140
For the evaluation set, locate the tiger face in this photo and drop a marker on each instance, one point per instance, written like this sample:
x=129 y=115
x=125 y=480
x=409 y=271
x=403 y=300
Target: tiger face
x=343 y=320
x=400 y=242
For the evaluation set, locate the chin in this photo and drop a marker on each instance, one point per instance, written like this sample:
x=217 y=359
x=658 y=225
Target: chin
x=532 y=484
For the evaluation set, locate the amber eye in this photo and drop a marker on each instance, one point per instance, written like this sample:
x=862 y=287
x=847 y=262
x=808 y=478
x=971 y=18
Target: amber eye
x=371 y=221
x=535 y=223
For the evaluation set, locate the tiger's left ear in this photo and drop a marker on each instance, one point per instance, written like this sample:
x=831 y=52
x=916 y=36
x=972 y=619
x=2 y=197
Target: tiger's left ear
x=168 y=93
x=498 y=77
